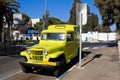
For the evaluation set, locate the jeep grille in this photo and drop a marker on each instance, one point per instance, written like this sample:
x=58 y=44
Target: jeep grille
x=37 y=56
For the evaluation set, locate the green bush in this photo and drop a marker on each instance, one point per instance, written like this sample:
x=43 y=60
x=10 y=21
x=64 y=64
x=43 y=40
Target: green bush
x=35 y=41
x=24 y=41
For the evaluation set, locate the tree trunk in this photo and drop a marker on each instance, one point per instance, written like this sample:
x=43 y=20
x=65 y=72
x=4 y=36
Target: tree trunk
x=0 y=28
x=1 y=20
x=118 y=26
x=118 y=29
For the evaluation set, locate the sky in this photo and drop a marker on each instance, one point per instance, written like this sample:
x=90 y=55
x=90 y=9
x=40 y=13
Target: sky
x=57 y=8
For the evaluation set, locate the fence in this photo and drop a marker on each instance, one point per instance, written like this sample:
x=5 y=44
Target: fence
x=95 y=37
x=86 y=37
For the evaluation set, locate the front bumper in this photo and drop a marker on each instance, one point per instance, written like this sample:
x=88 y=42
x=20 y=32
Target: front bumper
x=38 y=66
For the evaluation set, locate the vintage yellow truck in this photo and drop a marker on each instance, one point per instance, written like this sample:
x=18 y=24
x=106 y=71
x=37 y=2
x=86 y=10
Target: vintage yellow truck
x=57 y=46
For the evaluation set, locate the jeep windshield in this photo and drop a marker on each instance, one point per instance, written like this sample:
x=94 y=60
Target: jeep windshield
x=53 y=36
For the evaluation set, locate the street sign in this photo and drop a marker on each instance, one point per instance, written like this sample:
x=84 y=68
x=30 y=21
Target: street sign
x=81 y=9
x=17 y=18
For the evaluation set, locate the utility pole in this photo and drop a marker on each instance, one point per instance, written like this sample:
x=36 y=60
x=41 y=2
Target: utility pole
x=45 y=7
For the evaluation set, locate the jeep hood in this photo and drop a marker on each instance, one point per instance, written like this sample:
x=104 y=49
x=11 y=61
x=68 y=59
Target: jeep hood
x=51 y=47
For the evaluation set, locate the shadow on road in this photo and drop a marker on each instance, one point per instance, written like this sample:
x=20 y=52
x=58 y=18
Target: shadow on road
x=112 y=44
x=94 y=57
x=108 y=44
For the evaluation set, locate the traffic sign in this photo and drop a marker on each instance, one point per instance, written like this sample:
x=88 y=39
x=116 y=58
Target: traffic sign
x=81 y=9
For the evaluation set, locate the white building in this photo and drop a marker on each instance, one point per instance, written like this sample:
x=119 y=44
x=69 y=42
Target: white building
x=19 y=34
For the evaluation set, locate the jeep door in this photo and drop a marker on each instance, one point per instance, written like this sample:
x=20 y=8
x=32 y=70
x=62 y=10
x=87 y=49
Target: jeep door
x=69 y=49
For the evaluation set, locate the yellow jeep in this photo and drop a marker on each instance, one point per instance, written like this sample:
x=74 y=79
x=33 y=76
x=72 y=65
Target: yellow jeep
x=57 y=46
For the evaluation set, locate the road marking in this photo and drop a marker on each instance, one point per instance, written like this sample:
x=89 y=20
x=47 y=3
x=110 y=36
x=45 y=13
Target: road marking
x=8 y=76
x=95 y=47
x=86 y=48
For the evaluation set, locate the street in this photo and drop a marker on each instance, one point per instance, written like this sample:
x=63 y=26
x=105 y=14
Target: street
x=10 y=68
x=10 y=65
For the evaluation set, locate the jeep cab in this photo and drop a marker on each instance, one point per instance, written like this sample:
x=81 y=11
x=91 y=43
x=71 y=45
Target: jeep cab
x=57 y=46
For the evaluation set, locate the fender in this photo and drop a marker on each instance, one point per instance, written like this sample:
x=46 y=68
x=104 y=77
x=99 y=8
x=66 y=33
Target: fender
x=53 y=55
x=25 y=54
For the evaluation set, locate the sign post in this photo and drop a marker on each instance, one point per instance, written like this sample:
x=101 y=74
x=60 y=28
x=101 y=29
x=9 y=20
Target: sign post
x=81 y=19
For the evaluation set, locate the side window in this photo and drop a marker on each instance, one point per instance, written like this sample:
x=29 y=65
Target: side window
x=44 y=36
x=77 y=29
x=70 y=37
x=77 y=32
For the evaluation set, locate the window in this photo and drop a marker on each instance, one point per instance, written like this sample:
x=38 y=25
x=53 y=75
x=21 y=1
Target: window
x=53 y=36
x=77 y=30
x=70 y=37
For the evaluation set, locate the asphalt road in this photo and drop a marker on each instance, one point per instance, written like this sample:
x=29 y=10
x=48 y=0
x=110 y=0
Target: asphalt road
x=9 y=65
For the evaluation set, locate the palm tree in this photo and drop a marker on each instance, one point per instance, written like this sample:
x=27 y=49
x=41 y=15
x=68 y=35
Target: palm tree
x=7 y=8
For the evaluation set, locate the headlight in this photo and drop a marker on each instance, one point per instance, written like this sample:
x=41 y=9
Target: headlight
x=46 y=52
x=28 y=51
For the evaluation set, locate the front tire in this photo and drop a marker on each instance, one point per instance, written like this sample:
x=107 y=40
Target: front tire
x=26 y=69
x=60 y=68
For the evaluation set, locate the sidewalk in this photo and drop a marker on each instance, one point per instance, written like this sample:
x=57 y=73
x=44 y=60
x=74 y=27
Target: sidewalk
x=102 y=64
